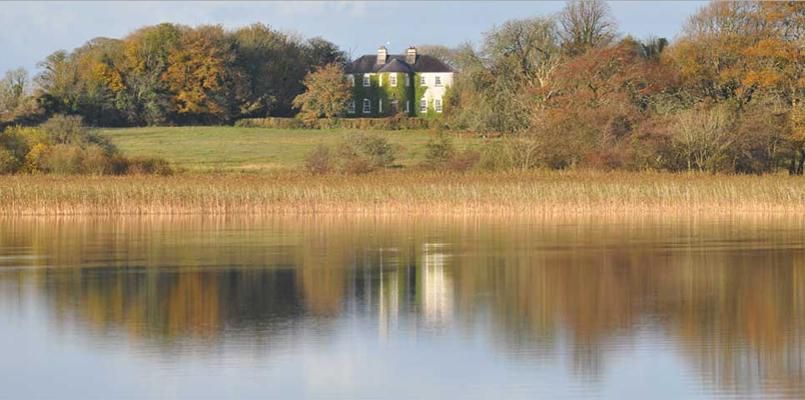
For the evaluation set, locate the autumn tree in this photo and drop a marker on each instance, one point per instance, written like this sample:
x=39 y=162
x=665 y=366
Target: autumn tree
x=326 y=96
x=145 y=96
x=202 y=76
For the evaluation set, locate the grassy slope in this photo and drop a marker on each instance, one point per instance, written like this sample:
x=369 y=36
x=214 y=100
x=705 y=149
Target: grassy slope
x=233 y=148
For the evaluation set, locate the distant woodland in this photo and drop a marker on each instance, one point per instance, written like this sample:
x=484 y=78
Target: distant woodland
x=565 y=90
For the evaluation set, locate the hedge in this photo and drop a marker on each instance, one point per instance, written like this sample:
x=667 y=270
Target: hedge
x=346 y=123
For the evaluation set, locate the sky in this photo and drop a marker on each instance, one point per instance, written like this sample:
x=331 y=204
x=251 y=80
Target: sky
x=29 y=31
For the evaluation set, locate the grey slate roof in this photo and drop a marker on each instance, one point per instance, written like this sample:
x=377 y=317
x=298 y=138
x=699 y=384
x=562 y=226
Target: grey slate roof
x=396 y=63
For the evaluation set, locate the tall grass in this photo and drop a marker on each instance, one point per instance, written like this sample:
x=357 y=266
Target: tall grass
x=401 y=192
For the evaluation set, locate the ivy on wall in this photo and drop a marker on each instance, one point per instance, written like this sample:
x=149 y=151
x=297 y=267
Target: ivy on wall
x=402 y=93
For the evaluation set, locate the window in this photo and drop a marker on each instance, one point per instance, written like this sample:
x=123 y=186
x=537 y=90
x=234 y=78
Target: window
x=380 y=106
x=407 y=106
x=351 y=79
x=393 y=79
x=366 y=81
x=379 y=79
x=367 y=106
x=423 y=106
x=351 y=107
x=407 y=80
x=437 y=105
x=422 y=80
x=437 y=80
x=395 y=107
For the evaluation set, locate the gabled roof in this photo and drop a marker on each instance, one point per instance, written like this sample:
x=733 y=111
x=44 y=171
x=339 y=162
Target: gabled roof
x=424 y=63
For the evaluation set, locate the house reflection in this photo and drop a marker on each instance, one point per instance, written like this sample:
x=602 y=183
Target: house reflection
x=737 y=315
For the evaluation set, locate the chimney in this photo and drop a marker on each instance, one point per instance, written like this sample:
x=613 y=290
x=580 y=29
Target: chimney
x=410 y=55
x=382 y=55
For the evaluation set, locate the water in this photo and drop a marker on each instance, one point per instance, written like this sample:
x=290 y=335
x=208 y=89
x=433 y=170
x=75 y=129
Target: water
x=402 y=308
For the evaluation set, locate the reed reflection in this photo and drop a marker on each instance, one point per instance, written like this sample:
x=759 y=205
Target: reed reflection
x=730 y=301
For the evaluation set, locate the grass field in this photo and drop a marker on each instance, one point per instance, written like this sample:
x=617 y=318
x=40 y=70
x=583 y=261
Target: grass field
x=227 y=148
x=404 y=192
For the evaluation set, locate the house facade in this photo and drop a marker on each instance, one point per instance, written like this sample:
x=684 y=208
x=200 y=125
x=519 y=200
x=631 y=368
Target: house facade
x=409 y=84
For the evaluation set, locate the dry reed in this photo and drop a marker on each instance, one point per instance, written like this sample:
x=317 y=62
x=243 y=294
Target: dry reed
x=403 y=192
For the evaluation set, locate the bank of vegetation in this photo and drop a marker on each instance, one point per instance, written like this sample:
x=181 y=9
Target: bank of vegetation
x=568 y=91
x=565 y=113
x=396 y=192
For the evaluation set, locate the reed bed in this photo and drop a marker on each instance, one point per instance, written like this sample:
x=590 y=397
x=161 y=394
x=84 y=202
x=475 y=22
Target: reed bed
x=403 y=192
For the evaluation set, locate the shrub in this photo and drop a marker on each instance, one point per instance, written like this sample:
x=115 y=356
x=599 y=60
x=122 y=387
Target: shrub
x=320 y=160
x=8 y=163
x=63 y=159
x=148 y=166
x=495 y=156
x=438 y=151
x=277 y=123
x=463 y=161
x=35 y=159
x=69 y=129
x=363 y=153
x=96 y=161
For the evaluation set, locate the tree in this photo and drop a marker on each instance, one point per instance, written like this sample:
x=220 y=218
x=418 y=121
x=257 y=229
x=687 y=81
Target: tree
x=14 y=87
x=586 y=24
x=319 y=52
x=58 y=80
x=145 y=96
x=327 y=94
x=202 y=76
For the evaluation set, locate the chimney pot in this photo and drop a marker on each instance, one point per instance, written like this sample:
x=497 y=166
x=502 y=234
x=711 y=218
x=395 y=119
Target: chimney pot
x=382 y=55
x=410 y=55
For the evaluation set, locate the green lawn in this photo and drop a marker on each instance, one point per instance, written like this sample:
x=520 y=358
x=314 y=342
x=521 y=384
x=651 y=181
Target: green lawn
x=248 y=149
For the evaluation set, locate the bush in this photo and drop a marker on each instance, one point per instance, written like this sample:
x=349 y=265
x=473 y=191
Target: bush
x=69 y=129
x=35 y=159
x=495 y=156
x=276 y=123
x=96 y=161
x=8 y=163
x=438 y=151
x=63 y=159
x=148 y=166
x=463 y=161
x=362 y=153
x=320 y=160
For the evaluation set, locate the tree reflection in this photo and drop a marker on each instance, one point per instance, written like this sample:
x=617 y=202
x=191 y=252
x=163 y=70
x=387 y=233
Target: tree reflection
x=731 y=301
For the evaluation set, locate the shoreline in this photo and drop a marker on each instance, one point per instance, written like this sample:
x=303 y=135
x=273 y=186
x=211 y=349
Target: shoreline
x=538 y=193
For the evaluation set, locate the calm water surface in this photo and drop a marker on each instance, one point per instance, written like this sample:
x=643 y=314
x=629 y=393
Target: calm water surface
x=402 y=308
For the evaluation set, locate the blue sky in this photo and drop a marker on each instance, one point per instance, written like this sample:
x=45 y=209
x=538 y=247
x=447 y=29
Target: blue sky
x=30 y=31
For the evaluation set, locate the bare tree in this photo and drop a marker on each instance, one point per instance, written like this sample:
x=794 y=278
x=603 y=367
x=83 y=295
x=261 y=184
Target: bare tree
x=586 y=24
x=14 y=86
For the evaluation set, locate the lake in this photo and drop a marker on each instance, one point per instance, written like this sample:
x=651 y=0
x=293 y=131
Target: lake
x=402 y=307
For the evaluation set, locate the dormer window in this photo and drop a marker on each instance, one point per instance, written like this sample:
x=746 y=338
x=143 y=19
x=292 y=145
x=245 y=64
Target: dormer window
x=366 y=80
x=393 y=79
x=422 y=81
x=437 y=80
x=351 y=80
x=367 y=106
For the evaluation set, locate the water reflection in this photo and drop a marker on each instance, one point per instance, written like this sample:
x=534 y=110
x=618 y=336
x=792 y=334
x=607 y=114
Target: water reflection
x=726 y=297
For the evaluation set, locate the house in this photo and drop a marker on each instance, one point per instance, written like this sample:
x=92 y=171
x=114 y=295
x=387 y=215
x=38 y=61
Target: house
x=385 y=84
